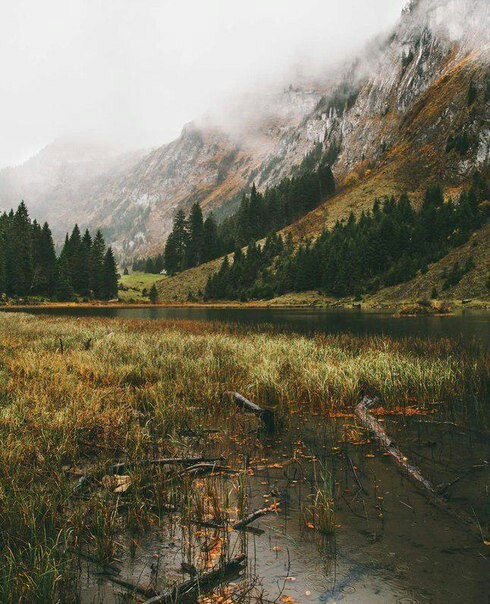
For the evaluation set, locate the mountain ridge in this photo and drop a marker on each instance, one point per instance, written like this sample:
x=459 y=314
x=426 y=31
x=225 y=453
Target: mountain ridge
x=376 y=118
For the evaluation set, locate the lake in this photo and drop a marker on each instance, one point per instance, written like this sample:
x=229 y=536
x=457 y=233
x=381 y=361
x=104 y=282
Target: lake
x=467 y=324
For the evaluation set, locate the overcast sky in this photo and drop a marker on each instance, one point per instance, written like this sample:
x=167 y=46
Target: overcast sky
x=134 y=71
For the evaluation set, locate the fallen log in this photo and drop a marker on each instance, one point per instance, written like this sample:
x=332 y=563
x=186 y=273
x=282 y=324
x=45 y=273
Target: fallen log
x=411 y=471
x=109 y=568
x=201 y=582
x=266 y=415
x=122 y=467
x=242 y=524
x=205 y=468
x=371 y=423
x=147 y=592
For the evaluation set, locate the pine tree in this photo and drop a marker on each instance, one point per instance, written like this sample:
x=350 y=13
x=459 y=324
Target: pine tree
x=64 y=288
x=45 y=267
x=84 y=264
x=96 y=268
x=153 y=294
x=172 y=258
x=211 y=244
x=327 y=181
x=20 y=252
x=110 y=276
x=175 y=247
x=158 y=264
x=75 y=259
x=194 y=242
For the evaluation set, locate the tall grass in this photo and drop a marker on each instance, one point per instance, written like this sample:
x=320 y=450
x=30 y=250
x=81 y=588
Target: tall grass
x=66 y=407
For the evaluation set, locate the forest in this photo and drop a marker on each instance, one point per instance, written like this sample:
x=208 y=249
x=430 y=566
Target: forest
x=29 y=265
x=382 y=247
x=194 y=240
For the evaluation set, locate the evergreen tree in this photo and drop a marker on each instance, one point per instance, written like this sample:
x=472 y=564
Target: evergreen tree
x=45 y=268
x=110 y=276
x=96 y=266
x=19 y=252
x=175 y=248
x=84 y=264
x=172 y=257
x=153 y=294
x=385 y=246
x=64 y=288
x=211 y=243
x=195 y=239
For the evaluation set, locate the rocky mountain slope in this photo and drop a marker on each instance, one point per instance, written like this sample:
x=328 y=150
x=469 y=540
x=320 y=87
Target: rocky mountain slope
x=396 y=118
x=422 y=117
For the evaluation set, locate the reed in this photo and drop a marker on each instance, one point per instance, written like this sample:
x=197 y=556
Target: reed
x=67 y=409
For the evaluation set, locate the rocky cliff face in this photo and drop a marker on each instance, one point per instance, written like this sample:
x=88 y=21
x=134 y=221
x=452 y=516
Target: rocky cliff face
x=438 y=48
x=403 y=109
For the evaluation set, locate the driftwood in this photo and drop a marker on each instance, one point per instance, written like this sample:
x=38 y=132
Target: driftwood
x=147 y=592
x=109 y=568
x=242 y=524
x=411 y=471
x=371 y=423
x=266 y=415
x=204 y=468
x=124 y=466
x=188 y=590
x=110 y=572
x=445 y=487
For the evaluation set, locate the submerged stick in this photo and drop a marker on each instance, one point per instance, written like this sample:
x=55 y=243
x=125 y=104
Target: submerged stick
x=202 y=582
x=147 y=592
x=241 y=524
x=371 y=423
x=266 y=415
x=124 y=466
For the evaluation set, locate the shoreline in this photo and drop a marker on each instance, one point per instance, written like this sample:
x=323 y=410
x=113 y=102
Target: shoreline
x=453 y=307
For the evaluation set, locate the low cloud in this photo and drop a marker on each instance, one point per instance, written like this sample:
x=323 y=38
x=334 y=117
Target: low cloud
x=132 y=72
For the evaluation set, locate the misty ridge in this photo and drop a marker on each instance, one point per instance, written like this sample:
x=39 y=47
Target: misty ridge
x=289 y=92
x=464 y=22
x=257 y=128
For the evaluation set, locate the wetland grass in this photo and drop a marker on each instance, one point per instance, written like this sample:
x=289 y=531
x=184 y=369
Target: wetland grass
x=137 y=393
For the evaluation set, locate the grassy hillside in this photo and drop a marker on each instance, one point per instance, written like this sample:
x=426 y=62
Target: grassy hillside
x=472 y=285
x=134 y=284
x=187 y=285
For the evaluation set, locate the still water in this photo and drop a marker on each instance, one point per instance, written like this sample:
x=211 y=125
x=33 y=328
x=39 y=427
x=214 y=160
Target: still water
x=467 y=325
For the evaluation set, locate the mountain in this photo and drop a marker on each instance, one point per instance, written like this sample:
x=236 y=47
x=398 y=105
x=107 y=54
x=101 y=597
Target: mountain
x=55 y=180
x=394 y=119
x=414 y=111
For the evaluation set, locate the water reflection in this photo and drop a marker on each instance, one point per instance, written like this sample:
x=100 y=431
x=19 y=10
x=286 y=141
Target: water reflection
x=467 y=325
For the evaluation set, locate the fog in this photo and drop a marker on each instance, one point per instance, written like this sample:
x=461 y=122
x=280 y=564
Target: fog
x=132 y=72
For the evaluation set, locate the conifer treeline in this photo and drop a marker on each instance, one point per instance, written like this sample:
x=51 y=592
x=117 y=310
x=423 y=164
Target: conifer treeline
x=194 y=241
x=385 y=246
x=29 y=266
